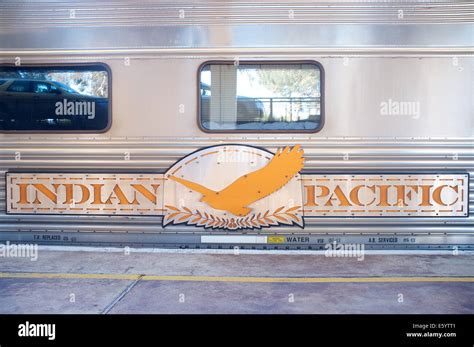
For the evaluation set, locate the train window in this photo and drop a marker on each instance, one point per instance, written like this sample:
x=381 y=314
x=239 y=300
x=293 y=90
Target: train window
x=55 y=98
x=260 y=97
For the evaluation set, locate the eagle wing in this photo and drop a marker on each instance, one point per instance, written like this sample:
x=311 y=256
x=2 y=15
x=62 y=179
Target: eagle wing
x=258 y=184
x=193 y=185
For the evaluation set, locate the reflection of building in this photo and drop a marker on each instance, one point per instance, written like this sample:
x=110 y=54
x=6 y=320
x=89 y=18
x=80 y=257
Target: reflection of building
x=290 y=108
x=251 y=95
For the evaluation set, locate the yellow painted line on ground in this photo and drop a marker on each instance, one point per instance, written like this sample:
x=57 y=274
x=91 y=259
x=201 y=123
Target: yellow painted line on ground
x=68 y=276
x=306 y=279
x=132 y=277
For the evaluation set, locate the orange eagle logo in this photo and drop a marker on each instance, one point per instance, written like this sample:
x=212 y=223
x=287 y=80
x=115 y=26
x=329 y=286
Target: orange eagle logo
x=251 y=187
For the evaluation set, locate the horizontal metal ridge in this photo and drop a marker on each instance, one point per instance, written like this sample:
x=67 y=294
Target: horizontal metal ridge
x=313 y=165
x=327 y=228
x=99 y=13
x=30 y=140
x=42 y=54
x=77 y=219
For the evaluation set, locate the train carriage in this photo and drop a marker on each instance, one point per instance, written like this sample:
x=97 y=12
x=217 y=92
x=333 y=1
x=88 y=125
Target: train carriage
x=270 y=125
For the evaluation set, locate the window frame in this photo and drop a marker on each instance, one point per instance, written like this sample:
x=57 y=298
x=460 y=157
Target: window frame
x=70 y=66
x=261 y=62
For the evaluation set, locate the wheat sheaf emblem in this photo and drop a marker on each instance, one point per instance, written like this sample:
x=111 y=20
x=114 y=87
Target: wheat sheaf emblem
x=281 y=215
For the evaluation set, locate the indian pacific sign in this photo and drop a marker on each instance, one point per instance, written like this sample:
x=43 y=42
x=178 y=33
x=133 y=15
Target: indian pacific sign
x=239 y=187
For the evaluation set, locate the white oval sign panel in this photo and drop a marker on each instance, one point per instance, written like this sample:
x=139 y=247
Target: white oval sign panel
x=235 y=187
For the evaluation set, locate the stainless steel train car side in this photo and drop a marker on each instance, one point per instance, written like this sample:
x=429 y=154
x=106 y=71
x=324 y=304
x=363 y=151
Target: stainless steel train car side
x=370 y=52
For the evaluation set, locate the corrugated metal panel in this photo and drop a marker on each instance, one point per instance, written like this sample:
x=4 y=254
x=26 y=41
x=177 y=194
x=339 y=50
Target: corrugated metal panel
x=159 y=13
x=321 y=156
x=224 y=24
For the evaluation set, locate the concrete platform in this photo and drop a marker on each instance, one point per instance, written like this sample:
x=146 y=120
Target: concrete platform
x=114 y=281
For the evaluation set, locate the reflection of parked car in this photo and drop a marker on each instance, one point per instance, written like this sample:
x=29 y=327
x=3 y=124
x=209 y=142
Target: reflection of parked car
x=32 y=104
x=248 y=109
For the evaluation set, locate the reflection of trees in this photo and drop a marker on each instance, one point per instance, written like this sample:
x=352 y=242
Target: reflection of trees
x=296 y=89
x=289 y=81
x=102 y=88
x=33 y=75
x=85 y=82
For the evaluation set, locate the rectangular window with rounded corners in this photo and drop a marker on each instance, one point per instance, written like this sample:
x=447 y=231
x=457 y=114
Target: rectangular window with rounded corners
x=261 y=97
x=55 y=98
